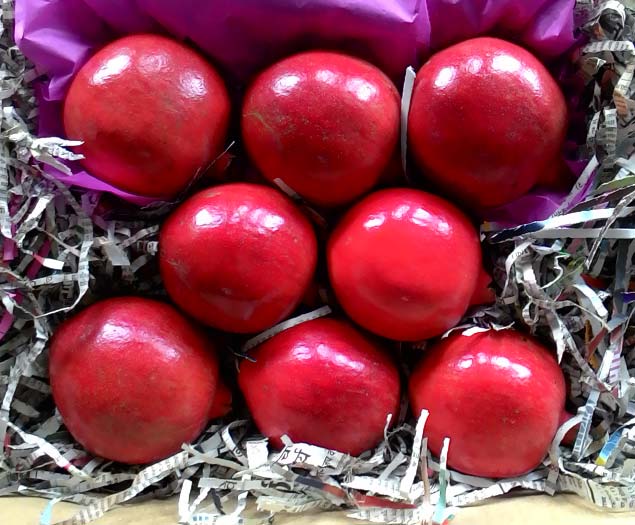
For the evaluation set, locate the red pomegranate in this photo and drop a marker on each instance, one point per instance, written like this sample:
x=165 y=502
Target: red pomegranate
x=321 y=382
x=222 y=404
x=324 y=123
x=405 y=264
x=498 y=397
x=570 y=437
x=557 y=176
x=483 y=293
x=486 y=120
x=151 y=113
x=133 y=379
x=238 y=257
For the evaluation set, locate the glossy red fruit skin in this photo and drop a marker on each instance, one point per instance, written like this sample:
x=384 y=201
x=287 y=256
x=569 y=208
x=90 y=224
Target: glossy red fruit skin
x=498 y=397
x=133 y=379
x=486 y=120
x=238 y=257
x=404 y=264
x=321 y=382
x=323 y=122
x=151 y=113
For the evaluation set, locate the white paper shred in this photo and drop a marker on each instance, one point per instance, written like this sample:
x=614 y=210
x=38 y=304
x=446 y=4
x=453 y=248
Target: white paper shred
x=406 y=99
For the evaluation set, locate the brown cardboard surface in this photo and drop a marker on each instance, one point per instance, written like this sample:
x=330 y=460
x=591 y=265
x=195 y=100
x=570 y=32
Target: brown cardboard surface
x=525 y=510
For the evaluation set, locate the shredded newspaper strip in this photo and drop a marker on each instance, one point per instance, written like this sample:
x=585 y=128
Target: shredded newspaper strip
x=568 y=278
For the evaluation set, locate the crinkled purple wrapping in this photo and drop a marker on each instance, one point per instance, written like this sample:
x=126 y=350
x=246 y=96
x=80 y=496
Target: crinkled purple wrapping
x=538 y=204
x=243 y=36
x=546 y=26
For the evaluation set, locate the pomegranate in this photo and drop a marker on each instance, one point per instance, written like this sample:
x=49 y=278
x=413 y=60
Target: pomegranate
x=570 y=437
x=238 y=257
x=483 y=293
x=324 y=383
x=487 y=120
x=498 y=397
x=222 y=404
x=324 y=123
x=557 y=176
x=405 y=264
x=152 y=113
x=133 y=379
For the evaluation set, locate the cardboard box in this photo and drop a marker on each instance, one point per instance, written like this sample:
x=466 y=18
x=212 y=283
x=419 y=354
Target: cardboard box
x=515 y=510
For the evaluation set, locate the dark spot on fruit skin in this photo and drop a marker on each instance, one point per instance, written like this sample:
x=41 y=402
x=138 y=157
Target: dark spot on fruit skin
x=324 y=161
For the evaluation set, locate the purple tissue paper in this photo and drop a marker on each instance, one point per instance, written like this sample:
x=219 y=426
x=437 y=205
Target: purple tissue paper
x=243 y=36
